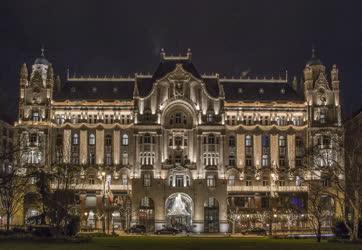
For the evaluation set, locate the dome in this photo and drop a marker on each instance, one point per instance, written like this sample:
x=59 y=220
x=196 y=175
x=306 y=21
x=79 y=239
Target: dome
x=314 y=60
x=41 y=59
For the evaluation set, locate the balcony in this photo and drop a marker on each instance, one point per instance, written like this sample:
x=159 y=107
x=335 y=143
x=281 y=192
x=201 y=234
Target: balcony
x=95 y=187
x=267 y=189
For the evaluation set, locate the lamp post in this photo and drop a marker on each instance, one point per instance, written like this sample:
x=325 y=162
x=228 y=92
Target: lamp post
x=86 y=219
x=104 y=202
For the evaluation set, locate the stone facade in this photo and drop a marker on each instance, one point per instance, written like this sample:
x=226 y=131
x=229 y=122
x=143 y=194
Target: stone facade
x=180 y=146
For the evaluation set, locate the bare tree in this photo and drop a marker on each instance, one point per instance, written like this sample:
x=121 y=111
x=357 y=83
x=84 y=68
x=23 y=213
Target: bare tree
x=327 y=175
x=353 y=173
x=14 y=181
x=319 y=208
x=233 y=214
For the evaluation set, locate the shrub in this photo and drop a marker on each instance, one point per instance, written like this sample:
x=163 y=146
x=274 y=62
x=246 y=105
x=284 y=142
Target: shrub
x=73 y=226
x=340 y=230
x=43 y=231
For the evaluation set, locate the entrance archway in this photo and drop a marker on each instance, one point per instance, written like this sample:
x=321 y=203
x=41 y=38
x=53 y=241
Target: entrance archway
x=211 y=215
x=179 y=210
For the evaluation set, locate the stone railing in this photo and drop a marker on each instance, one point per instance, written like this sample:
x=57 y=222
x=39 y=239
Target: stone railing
x=97 y=187
x=267 y=189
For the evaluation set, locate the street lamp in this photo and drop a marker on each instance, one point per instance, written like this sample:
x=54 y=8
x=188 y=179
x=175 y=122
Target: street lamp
x=104 y=202
x=86 y=219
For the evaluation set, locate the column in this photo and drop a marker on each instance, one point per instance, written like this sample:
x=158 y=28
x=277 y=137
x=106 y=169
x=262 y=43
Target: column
x=291 y=150
x=66 y=145
x=257 y=150
x=116 y=146
x=274 y=150
x=240 y=150
x=99 y=147
x=83 y=143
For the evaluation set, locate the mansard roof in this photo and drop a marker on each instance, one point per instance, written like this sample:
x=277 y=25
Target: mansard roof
x=242 y=89
x=93 y=89
x=259 y=90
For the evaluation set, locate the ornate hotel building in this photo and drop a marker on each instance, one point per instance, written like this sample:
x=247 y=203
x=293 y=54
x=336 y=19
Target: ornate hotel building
x=180 y=147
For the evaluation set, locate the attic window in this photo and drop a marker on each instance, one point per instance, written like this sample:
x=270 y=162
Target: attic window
x=261 y=91
x=240 y=90
x=72 y=89
x=94 y=89
x=115 y=90
x=282 y=91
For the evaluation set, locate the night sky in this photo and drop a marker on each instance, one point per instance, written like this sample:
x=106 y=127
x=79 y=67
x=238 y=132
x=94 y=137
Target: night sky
x=228 y=37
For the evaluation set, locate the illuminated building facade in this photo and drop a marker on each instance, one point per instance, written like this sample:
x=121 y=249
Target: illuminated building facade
x=181 y=146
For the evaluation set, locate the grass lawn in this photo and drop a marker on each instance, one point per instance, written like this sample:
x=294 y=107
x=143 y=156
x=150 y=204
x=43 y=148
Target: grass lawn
x=183 y=243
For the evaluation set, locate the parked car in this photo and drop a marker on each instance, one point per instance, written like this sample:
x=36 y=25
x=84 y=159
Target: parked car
x=255 y=230
x=167 y=230
x=138 y=229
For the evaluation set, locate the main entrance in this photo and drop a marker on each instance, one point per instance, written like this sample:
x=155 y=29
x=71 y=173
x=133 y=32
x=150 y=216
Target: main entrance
x=211 y=215
x=179 y=211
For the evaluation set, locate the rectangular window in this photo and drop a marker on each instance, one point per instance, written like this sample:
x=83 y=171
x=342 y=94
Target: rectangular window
x=146 y=179
x=179 y=180
x=35 y=117
x=210 y=181
x=231 y=180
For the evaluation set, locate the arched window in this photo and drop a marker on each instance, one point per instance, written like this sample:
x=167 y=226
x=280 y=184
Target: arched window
x=248 y=141
x=75 y=139
x=92 y=139
x=125 y=140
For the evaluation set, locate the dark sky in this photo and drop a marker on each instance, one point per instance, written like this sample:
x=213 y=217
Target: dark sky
x=121 y=37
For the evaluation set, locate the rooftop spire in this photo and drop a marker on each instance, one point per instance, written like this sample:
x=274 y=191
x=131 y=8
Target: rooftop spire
x=42 y=50
x=314 y=60
x=313 y=51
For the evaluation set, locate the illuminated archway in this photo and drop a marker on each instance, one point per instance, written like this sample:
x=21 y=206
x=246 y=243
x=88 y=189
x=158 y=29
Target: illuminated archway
x=179 y=211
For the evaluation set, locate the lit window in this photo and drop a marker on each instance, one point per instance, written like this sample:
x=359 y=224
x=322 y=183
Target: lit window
x=146 y=179
x=282 y=141
x=75 y=139
x=92 y=139
x=210 y=181
x=36 y=116
x=231 y=180
x=125 y=140
x=248 y=141
x=210 y=117
x=124 y=158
